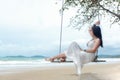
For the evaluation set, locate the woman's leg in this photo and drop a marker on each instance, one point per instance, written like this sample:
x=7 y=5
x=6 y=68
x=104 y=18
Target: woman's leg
x=59 y=56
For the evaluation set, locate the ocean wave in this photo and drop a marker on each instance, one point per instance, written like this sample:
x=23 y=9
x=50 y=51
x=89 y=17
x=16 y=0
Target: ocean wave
x=26 y=62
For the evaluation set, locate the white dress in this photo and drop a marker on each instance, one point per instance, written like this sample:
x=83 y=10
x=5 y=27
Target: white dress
x=79 y=57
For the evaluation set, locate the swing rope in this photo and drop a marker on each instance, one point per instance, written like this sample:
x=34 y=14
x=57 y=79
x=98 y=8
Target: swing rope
x=61 y=27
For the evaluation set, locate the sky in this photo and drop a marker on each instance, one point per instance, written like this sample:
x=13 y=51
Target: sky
x=32 y=27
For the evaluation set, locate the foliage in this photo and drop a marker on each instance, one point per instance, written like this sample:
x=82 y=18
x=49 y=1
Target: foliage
x=88 y=10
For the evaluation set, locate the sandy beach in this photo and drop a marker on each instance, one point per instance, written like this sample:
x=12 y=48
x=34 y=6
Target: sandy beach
x=91 y=71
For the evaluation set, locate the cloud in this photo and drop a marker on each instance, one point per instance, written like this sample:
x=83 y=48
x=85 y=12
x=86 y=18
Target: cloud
x=16 y=49
x=27 y=13
x=111 y=35
x=33 y=26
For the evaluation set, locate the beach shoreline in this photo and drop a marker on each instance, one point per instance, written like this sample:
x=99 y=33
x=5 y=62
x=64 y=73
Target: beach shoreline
x=66 y=71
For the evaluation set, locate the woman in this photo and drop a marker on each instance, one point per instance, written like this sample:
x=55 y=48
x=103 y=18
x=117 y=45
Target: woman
x=86 y=54
x=81 y=56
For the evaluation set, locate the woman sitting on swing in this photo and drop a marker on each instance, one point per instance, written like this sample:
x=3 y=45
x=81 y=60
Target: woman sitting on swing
x=85 y=55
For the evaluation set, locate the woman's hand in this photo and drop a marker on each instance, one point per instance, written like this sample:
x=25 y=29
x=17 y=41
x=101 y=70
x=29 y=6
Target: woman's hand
x=98 y=22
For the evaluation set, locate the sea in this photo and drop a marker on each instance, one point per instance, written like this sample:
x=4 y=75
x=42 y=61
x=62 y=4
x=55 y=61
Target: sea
x=23 y=62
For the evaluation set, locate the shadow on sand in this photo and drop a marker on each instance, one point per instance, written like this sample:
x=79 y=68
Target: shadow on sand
x=87 y=76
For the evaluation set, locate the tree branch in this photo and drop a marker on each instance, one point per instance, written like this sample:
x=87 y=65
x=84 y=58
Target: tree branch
x=117 y=15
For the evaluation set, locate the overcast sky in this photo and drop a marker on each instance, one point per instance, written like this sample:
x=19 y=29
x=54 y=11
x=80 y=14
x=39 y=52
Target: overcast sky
x=32 y=27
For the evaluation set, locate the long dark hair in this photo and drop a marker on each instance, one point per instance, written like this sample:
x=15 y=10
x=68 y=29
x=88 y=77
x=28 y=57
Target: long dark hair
x=97 y=32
